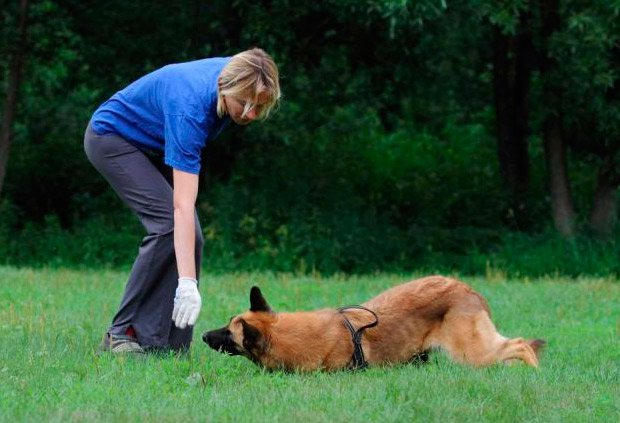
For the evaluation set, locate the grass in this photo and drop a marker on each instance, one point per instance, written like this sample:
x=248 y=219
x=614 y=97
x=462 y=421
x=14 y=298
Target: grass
x=52 y=319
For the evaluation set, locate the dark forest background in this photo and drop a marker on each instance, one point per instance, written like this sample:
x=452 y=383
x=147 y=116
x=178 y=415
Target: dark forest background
x=471 y=136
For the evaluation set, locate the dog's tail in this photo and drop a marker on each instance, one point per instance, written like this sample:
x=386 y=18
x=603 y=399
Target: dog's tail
x=537 y=345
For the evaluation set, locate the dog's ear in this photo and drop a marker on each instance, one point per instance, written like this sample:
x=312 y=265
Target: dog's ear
x=257 y=301
x=253 y=340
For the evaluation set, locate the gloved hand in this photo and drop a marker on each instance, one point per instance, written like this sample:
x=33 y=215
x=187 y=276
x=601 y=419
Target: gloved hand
x=187 y=303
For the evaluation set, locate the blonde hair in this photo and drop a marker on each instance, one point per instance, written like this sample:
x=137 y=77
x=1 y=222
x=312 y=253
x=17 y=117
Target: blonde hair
x=248 y=75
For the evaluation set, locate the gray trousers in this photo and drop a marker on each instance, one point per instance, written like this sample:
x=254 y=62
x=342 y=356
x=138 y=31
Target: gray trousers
x=144 y=183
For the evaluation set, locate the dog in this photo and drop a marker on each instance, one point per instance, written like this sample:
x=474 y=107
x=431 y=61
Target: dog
x=400 y=325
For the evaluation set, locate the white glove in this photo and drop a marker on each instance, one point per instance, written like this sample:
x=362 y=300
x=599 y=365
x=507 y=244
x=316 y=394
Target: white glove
x=187 y=303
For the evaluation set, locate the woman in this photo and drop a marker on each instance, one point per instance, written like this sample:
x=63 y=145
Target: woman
x=146 y=141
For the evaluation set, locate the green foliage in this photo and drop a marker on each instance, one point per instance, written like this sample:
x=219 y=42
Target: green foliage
x=364 y=202
x=101 y=241
x=350 y=197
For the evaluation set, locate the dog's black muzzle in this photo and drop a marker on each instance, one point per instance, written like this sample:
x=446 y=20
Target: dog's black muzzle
x=221 y=340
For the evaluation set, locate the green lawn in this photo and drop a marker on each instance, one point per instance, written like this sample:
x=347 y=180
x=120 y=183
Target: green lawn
x=51 y=321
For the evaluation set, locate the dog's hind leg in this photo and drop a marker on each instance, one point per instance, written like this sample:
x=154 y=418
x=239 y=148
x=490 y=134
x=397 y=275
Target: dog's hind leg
x=468 y=338
x=471 y=338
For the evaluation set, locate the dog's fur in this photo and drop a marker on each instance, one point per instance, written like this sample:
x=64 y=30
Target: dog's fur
x=414 y=318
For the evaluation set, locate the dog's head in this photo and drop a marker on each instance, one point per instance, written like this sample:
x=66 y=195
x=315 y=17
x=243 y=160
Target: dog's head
x=247 y=333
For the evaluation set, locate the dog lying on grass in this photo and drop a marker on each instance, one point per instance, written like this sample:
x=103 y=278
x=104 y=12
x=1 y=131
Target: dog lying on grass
x=400 y=325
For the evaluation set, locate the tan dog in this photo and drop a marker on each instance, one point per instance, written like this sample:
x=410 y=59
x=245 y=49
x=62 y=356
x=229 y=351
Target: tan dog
x=412 y=319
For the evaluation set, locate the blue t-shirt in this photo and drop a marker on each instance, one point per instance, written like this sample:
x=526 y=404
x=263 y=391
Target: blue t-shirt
x=171 y=110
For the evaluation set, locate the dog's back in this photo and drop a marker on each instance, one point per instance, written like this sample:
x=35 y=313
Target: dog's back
x=428 y=298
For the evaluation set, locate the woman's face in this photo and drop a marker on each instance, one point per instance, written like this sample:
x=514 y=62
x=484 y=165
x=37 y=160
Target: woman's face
x=235 y=106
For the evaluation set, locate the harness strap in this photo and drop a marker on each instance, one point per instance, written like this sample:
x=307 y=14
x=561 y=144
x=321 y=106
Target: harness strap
x=358 y=361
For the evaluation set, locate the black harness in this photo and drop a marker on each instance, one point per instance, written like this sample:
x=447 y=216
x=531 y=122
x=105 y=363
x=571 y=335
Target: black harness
x=358 y=362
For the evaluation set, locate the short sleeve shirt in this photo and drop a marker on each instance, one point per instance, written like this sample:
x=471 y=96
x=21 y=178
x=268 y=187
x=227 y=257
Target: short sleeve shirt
x=171 y=110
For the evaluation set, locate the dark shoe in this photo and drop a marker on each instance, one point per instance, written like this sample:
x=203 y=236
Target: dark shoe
x=120 y=344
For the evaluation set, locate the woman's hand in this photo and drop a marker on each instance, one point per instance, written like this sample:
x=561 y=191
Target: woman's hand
x=187 y=303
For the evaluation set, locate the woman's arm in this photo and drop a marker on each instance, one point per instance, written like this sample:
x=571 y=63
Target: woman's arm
x=187 y=301
x=185 y=193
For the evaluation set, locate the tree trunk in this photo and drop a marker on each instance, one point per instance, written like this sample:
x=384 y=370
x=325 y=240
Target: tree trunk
x=503 y=90
x=562 y=206
x=10 y=102
x=604 y=213
x=524 y=63
x=512 y=68
x=563 y=210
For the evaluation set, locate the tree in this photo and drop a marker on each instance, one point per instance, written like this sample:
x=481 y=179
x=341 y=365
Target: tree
x=10 y=102
x=588 y=48
x=512 y=68
x=562 y=207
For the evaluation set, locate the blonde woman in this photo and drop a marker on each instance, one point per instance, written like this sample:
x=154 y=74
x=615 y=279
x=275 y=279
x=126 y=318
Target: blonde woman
x=146 y=141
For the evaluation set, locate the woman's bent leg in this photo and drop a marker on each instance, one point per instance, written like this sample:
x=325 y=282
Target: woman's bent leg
x=147 y=302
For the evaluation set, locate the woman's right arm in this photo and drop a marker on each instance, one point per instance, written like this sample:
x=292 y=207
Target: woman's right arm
x=187 y=301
